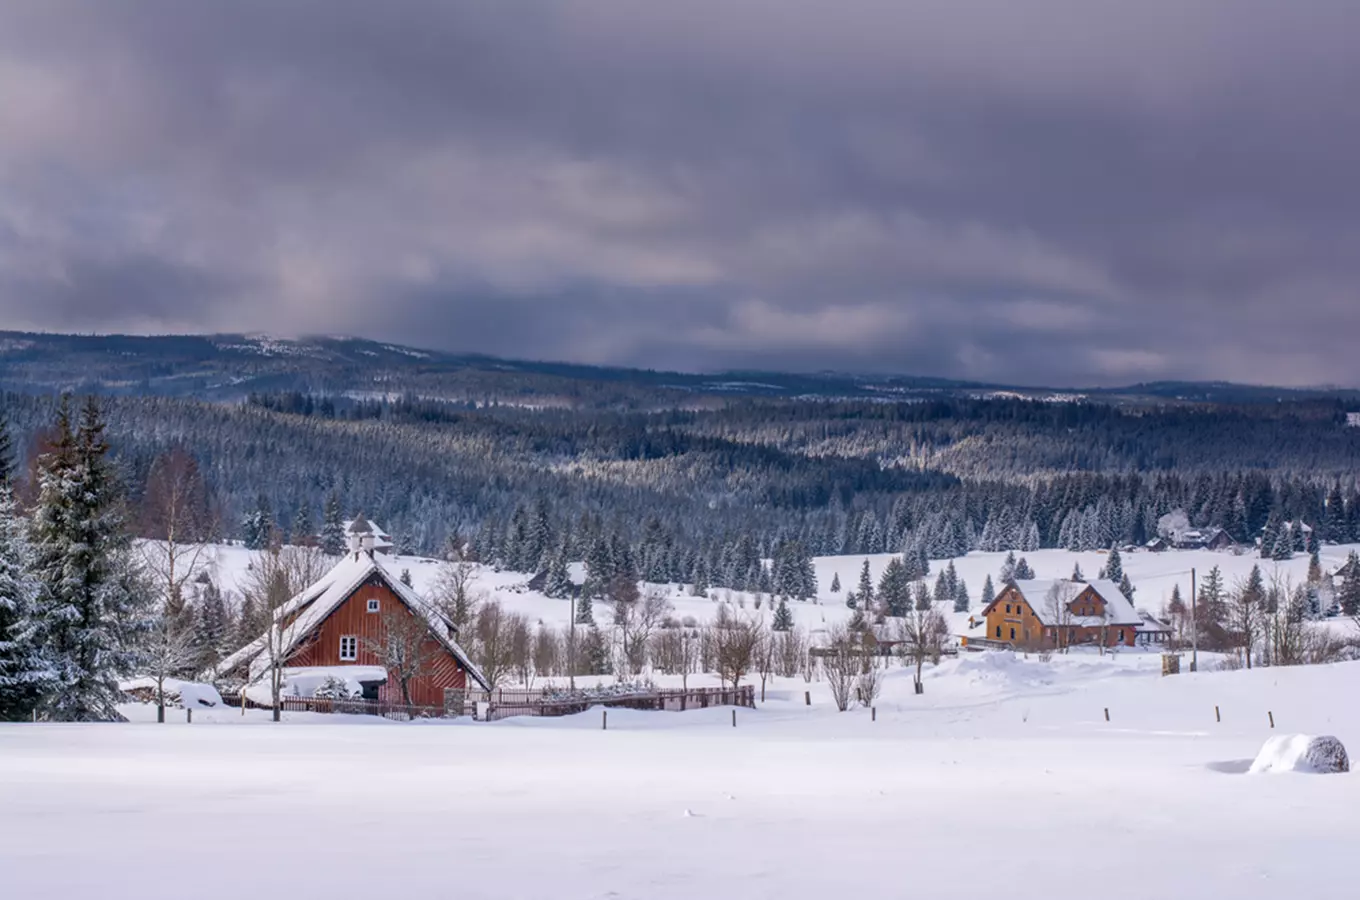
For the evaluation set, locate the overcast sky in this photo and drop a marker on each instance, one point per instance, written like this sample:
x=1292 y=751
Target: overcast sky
x=1047 y=191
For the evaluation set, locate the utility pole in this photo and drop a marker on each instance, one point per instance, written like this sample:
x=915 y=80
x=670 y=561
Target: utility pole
x=571 y=647
x=1194 y=623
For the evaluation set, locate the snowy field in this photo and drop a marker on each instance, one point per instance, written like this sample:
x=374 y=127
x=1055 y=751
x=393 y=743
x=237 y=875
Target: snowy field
x=1004 y=779
x=1154 y=575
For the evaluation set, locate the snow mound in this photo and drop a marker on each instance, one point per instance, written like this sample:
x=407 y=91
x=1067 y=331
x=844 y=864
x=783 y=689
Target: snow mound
x=177 y=693
x=1302 y=753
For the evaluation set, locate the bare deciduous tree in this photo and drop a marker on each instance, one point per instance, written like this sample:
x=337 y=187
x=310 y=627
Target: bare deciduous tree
x=923 y=634
x=175 y=516
x=403 y=646
x=170 y=650
x=453 y=589
x=493 y=642
x=1246 y=606
x=547 y=653
x=734 y=645
x=842 y=664
x=1058 y=610
x=275 y=576
x=635 y=622
x=791 y=652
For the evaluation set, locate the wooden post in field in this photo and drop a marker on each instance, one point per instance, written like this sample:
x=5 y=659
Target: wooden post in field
x=604 y=720
x=807 y=697
x=1218 y=717
x=1107 y=714
x=873 y=714
x=1272 y=718
x=734 y=718
x=189 y=715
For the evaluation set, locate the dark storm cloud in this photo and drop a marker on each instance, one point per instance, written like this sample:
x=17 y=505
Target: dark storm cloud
x=1046 y=192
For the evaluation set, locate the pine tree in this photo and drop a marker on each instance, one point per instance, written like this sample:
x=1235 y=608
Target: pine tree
x=1022 y=571
x=585 y=612
x=1077 y=575
x=1114 y=566
x=783 y=617
x=961 y=598
x=212 y=625
x=1008 y=575
x=557 y=583
x=1349 y=594
x=333 y=527
x=301 y=533
x=25 y=672
x=92 y=605
x=1284 y=544
x=406 y=577
x=864 y=594
x=1270 y=536
x=988 y=593
x=1314 y=566
x=257 y=528
x=1126 y=587
x=920 y=597
x=836 y=583
x=894 y=589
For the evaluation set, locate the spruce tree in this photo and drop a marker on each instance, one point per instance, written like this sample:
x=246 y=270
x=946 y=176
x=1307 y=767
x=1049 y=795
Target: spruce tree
x=1077 y=574
x=301 y=534
x=1314 y=566
x=1008 y=569
x=783 y=617
x=1022 y=571
x=1349 y=593
x=894 y=589
x=1114 y=566
x=1284 y=544
x=988 y=593
x=836 y=583
x=25 y=671
x=558 y=581
x=212 y=624
x=864 y=594
x=585 y=612
x=92 y=604
x=1126 y=587
x=333 y=527
x=961 y=598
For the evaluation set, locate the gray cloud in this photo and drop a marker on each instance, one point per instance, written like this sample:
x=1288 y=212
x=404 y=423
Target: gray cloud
x=1079 y=191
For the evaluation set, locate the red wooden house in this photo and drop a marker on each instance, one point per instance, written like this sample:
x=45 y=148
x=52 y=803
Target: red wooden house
x=340 y=624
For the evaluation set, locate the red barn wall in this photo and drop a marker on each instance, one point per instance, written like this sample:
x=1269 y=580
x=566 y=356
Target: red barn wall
x=353 y=618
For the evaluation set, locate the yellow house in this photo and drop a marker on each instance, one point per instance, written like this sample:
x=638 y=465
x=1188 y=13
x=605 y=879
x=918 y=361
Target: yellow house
x=1060 y=613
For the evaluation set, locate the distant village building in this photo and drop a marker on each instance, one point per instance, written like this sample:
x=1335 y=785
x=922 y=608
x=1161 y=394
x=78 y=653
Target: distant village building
x=1353 y=419
x=1157 y=545
x=339 y=625
x=1044 y=613
x=360 y=528
x=1211 y=538
x=1152 y=630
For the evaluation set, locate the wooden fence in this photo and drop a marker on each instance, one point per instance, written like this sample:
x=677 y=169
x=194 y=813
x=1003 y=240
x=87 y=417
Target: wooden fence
x=491 y=706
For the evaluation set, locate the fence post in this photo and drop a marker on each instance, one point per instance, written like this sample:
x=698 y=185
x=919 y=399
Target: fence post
x=807 y=698
x=734 y=718
x=1217 y=716
x=1107 y=714
x=873 y=714
x=189 y=715
x=1272 y=718
x=604 y=720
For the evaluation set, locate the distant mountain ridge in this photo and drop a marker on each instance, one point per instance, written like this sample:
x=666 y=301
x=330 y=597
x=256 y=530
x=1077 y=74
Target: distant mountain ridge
x=227 y=367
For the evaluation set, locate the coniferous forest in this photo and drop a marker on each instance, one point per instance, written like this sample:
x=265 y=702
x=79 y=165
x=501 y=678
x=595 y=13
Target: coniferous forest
x=546 y=465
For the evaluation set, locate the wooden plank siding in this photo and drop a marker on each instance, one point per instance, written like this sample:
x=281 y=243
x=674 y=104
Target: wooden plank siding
x=1011 y=620
x=353 y=618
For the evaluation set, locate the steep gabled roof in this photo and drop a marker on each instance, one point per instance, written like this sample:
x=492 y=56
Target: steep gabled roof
x=317 y=602
x=1036 y=592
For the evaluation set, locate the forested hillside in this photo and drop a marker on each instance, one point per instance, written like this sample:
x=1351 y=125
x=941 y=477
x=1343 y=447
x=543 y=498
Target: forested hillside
x=695 y=492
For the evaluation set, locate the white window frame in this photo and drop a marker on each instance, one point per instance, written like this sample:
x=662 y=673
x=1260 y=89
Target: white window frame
x=353 y=641
x=374 y=605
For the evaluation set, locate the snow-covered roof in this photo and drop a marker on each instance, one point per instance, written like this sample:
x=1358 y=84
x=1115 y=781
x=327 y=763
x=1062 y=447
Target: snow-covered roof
x=1151 y=624
x=316 y=603
x=362 y=526
x=1036 y=593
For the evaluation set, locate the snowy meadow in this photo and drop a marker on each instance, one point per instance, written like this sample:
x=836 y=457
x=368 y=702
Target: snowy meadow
x=959 y=791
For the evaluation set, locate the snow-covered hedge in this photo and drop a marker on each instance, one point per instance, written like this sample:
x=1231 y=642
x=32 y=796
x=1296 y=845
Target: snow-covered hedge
x=1302 y=753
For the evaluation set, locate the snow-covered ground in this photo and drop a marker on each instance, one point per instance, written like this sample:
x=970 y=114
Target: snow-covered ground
x=1004 y=779
x=1154 y=576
